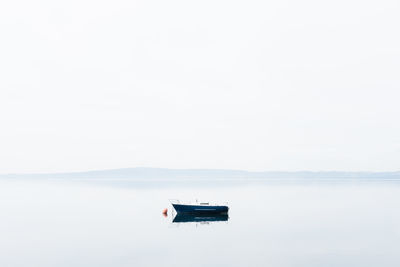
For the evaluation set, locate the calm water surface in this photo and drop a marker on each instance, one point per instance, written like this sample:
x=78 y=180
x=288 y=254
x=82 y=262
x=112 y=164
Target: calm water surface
x=81 y=223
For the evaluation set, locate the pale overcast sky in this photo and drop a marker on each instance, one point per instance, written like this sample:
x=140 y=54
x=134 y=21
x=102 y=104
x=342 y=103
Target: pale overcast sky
x=256 y=85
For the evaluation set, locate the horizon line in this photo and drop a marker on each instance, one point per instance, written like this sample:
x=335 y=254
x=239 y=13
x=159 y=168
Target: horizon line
x=193 y=169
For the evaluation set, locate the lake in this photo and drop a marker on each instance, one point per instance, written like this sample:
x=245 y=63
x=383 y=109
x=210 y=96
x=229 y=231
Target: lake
x=120 y=223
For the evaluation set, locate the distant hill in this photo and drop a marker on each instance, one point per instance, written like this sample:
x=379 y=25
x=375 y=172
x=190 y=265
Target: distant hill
x=206 y=174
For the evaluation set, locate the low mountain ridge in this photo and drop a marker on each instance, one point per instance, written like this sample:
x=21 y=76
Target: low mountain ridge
x=164 y=173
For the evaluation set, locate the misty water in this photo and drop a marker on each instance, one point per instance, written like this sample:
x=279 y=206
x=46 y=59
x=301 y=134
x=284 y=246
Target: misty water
x=119 y=223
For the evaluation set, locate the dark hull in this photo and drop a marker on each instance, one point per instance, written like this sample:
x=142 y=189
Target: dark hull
x=200 y=209
x=182 y=217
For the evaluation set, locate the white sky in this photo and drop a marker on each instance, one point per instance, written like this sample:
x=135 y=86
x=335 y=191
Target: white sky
x=256 y=85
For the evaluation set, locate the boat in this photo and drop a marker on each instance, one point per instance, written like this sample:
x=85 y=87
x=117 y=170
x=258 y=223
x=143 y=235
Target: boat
x=199 y=207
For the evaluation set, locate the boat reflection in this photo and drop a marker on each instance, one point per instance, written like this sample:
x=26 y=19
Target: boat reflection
x=187 y=218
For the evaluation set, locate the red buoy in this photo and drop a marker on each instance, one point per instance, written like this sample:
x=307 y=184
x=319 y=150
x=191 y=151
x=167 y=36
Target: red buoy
x=165 y=212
